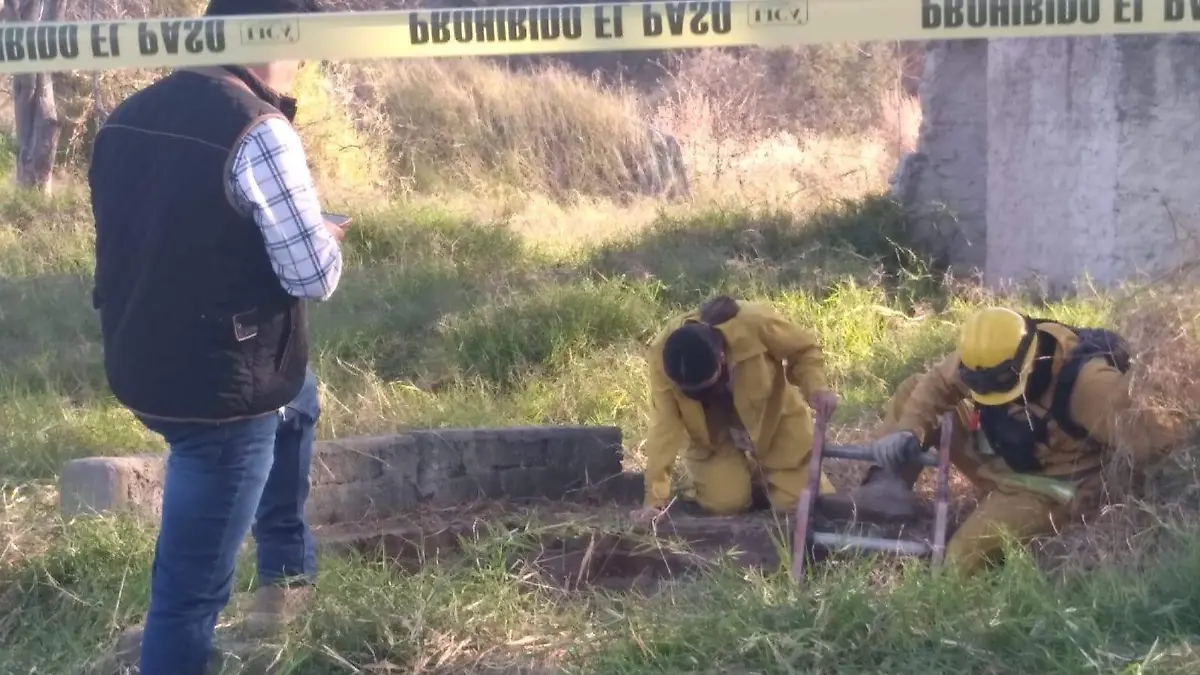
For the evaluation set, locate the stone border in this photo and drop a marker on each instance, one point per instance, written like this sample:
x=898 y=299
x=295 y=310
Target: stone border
x=380 y=477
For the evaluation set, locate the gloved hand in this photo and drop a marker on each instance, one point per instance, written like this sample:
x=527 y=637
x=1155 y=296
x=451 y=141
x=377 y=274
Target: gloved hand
x=895 y=451
x=823 y=403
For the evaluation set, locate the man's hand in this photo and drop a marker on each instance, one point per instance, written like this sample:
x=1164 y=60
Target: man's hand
x=823 y=403
x=645 y=514
x=337 y=232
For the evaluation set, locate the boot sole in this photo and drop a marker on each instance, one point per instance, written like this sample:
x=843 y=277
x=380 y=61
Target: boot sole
x=842 y=507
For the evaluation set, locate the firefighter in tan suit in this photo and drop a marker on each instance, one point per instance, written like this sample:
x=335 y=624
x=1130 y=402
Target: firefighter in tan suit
x=731 y=385
x=1035 y=404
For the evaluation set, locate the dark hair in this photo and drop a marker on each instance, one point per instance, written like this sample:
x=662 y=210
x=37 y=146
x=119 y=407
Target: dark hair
x=235 y=7
x=691 y=354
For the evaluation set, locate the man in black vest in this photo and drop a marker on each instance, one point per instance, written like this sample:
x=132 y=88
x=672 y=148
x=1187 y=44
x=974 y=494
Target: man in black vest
x=209 y=241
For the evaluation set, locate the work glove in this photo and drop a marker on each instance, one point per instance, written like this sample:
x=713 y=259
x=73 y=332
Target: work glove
x=823 y=403
x=895 y=451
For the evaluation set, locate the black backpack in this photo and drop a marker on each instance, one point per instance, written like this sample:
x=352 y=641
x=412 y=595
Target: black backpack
x=1093 y=343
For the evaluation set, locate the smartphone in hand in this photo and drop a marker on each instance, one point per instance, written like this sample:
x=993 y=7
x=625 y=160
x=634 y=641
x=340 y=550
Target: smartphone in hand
x=336 y=224
x=337 y=219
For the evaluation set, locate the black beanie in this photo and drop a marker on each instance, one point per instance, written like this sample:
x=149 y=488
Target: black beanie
x=236 y=7
x=690 y=354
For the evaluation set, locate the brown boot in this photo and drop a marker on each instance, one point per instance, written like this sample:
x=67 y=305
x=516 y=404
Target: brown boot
x=274 y=607
x=883 y=496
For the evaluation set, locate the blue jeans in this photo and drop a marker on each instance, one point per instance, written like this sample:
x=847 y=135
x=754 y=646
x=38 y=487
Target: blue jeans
x=223 y=481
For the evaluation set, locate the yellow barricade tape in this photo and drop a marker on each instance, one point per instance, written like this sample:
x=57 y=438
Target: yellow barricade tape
x=551 y=29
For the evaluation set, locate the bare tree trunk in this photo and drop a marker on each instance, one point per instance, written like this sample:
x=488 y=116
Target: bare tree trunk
x=35 y=111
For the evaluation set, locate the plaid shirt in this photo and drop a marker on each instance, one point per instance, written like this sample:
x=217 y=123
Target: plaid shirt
x=270 y=178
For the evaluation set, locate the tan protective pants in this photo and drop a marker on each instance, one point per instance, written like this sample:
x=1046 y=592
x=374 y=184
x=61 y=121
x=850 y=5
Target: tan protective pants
x=723 y=482
x=1004 y=511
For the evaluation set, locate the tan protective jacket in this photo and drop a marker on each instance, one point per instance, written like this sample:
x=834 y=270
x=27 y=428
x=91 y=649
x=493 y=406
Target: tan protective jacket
x=1100 y=402
x=767 y=355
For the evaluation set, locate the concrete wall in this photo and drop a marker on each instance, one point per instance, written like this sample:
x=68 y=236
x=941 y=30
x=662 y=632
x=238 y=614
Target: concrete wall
x=1088 y=162
x=944 y=182
x=377 y=477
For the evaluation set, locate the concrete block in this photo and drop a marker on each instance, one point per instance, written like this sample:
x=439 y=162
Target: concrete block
x=625 y=488
x=466 y=489
x=518 y=483
x=355 y=502
x=131 y=484
x=360 y=458
x=376 y=477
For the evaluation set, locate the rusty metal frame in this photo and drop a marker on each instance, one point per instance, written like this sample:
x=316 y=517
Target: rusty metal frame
x=943 y=492
x=806 y=537
x=808 y=498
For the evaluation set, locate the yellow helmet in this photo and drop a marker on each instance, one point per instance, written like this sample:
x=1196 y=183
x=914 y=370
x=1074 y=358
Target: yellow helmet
x=996 y=352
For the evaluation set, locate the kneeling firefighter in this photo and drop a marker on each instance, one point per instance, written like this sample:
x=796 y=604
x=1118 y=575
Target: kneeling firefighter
x=1034 y=406
x=725 y=388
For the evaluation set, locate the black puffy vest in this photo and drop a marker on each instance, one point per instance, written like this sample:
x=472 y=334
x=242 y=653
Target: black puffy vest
x=195 y=324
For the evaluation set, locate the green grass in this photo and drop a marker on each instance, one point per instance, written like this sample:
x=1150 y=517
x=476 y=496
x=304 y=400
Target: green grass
x=445 y=321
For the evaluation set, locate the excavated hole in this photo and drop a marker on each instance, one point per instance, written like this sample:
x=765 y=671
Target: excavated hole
x=574 y=549
x=574 y=552
x=611 y=562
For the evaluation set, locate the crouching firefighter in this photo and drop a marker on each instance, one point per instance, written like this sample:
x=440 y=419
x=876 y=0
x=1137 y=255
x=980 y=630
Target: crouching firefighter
x=1034 y=406
x=730 y=388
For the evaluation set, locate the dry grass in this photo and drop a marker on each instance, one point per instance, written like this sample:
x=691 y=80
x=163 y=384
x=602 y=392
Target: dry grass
x=26 y=522
x=340 y=136
x=753 y=132
x=467 y=125
x=1153 y=479
x=1163 y=324
x=561 y=159
x=829 y=90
